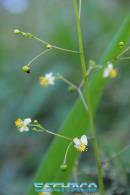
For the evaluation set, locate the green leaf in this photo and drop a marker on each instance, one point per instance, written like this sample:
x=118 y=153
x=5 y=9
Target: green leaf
x=77 y=121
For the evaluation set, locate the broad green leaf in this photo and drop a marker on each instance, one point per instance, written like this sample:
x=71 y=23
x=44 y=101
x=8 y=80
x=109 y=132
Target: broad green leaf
x=77 y=121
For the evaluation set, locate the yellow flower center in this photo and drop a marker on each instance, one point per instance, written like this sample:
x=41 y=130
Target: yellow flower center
x=113 y=73
x=82 y=148
x=19 y=123
x=43 y=81
x=40 y=193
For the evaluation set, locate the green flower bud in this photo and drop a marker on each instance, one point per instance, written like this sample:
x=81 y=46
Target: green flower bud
x=24 y=34
x=17 y=31
x=26 y=69
x=28 y=35
x=121 y=44
x=92 y=63
x=63 y=167
x=35 y=121
x=71 y=89
x=48 y=46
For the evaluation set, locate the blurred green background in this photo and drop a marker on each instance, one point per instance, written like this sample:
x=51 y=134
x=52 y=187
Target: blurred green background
x=22 y=96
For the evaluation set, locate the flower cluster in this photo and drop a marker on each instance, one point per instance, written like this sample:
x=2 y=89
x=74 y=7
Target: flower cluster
x=47 y=79
x=26 y=124
x=24 y=34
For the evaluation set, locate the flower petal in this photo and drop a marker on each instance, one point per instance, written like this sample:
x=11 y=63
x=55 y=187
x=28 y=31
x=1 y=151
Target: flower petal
x=84 y=140
x=49 y=75
x=106 y=73
x=27 y=121
x=76 y=146
x=24 y=128
x=50 y=78
x=76 y=141
x=21 y=129
x=110 y=66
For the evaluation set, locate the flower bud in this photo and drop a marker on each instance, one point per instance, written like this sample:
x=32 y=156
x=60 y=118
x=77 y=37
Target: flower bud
x=26 y=69
x=121 y=44
x=48 y=46
x=92 y=63
x=28 y=35
x=35 y=121
x=63 y=167
x=71 y=89
x=17 y=31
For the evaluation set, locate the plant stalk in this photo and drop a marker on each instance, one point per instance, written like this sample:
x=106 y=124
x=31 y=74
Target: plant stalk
x=88 y=99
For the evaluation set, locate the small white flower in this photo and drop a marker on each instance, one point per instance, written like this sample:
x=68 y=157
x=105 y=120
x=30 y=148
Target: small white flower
x=109 y=71
x=22 y=125
x=81 y=144
x=48 y=79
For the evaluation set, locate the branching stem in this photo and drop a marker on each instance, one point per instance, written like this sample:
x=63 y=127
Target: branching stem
x=40 y=128
x=54 y=46
x=78 y=89
x=123 y=52
x=116 y=155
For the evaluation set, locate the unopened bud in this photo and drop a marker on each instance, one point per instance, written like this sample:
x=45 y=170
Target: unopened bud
x=121 y=44
x=63 y=167
x=28 y=35
x=17 y=31
x=35 y=121
x=26 y=69
x=92 y=63
x=48 y=46
x=71 y=89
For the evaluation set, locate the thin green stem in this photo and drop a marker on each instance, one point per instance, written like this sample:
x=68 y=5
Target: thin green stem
x=80 y=7
x=116 y=155
x=37 y=56
x=82 y=56
x=58 y=135
x=122 y=53
x=65 y=157
x=78 y=89
x=88 y=73
x=125 y=58
x=83 y=99
x=42 y=129
x=54 y=46
x=61 y=77
x=90 y=113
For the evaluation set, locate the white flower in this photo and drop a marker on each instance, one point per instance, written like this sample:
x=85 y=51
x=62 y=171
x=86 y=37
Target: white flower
x=22 y=125
x=110 y=71
x=48 y=79
x=81 y=144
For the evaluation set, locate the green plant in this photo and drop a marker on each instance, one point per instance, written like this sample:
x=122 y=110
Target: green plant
x=82 y=114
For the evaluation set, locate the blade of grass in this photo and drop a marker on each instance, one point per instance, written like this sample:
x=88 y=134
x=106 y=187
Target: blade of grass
x=76 y=123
